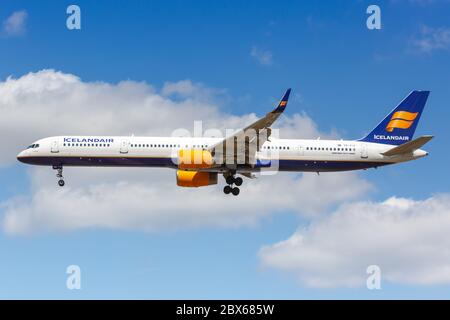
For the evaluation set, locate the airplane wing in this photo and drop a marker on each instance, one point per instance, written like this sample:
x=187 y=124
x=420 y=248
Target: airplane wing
x=408 y=146
x=241 y=147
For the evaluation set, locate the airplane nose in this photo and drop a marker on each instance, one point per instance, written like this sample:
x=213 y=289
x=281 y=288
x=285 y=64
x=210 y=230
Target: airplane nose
x=21 y=156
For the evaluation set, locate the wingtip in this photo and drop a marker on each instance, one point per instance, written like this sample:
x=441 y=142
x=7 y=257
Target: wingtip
x=288 y=92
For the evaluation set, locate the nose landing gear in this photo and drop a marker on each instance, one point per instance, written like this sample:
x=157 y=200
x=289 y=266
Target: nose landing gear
x=59 y=175
x=231 y=179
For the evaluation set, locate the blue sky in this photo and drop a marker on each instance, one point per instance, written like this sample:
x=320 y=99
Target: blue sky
x=344 y=77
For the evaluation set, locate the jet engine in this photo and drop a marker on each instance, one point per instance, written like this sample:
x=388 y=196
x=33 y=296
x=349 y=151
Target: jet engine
x=195 y=179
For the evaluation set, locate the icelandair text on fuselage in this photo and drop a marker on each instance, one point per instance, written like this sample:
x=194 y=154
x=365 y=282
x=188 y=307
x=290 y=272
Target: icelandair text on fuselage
x=89 y=140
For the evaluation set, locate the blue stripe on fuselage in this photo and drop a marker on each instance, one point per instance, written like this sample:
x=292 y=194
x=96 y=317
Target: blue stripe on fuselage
x=283 y=165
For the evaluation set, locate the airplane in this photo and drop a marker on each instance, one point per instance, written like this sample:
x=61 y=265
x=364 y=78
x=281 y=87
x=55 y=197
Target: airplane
x=199 y=160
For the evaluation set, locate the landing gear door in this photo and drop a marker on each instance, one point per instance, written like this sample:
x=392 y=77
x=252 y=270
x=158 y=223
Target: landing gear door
x=55 y=147
x=124 y=146
x=364 y=154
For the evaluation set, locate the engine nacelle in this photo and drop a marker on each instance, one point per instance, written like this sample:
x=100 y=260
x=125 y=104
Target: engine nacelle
x=194 y=159
x=194 y=179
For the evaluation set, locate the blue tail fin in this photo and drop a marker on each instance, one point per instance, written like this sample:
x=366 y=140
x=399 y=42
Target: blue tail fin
x=399 y=125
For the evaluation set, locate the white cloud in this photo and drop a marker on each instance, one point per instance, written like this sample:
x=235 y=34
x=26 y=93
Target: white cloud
x=151 y=201
x=431 y=39
x=50 y=103
x=186 y=89
x=407 y=239
x=15 y=24
x=264 y=57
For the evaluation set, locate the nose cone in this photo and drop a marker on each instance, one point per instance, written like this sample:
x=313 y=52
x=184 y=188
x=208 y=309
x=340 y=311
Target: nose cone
x=21 y=156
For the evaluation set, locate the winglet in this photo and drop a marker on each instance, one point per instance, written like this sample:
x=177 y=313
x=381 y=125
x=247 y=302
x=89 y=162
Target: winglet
x=283 y=102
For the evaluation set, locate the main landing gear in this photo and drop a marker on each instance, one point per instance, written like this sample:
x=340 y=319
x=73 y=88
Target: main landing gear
x=231 y=179
x=59 y=175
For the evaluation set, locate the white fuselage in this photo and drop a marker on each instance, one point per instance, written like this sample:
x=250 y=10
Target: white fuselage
x=277 y=154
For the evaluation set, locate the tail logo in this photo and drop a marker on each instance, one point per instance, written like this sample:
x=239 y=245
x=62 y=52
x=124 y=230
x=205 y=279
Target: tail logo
x=401 y=120
x=283 y=103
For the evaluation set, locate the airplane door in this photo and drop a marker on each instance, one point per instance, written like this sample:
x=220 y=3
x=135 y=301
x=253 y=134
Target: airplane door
x=300 y=150
x=55 y=147
x=124 y=146
x=364 y=154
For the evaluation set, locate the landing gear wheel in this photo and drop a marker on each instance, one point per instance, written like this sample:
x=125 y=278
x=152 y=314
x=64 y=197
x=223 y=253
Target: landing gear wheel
x=229 y=180
x=227 y=189
x=59 y=175
x=235 y=191
x=238 y=181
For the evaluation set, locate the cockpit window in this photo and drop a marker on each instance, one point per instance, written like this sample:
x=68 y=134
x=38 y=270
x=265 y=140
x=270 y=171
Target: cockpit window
x=33 y=146
x=36 y=145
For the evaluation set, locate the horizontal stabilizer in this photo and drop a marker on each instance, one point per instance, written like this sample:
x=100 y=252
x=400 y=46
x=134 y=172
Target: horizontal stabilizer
x=408 y=146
